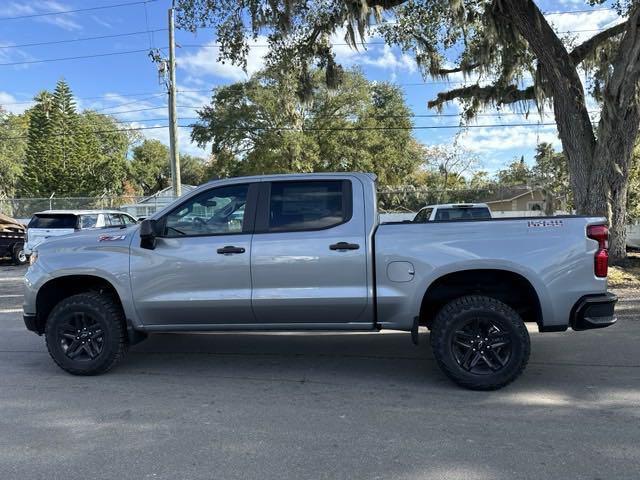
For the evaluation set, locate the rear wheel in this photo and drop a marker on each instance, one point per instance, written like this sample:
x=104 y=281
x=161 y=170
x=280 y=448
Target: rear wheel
x=480 y=343
x=18 y=256
x=86 y=334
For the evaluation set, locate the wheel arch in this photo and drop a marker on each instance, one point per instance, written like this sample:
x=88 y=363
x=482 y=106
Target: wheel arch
x=507 y=286
x=59 y=288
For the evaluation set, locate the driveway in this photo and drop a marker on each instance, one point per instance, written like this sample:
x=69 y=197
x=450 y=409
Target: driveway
x=330 y=406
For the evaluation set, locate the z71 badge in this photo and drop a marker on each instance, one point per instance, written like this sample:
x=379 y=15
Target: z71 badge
x=111 y=238
x=545 y=223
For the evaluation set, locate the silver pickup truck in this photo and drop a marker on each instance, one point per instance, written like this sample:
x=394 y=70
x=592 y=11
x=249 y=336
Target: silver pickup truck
x=307 y=252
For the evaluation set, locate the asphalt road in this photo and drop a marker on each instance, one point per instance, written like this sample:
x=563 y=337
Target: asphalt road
x=321 y=406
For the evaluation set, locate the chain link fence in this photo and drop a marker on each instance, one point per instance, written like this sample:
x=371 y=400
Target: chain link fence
x=397 y=203
x=24 y=208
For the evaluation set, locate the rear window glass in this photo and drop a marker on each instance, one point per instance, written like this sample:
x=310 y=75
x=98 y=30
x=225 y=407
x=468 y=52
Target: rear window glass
x=44 y=220
x=307 y=205
x=462 y=213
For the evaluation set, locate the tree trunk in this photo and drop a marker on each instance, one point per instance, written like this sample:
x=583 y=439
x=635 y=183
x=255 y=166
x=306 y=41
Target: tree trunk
x=598 y=169
x=618 y=223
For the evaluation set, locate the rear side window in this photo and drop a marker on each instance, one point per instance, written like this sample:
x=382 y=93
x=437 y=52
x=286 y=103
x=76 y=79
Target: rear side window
x=309 y=205
x=46 y=220
x=88 y=221
x=462 y=213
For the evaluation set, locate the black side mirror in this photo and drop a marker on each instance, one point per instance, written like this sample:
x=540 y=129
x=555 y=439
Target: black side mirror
x=148 y=233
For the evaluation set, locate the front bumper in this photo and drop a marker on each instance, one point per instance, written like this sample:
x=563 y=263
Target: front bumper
x=594 y=311
x=31 y=322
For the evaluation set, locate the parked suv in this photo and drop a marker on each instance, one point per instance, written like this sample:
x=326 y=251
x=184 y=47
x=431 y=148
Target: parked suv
x=54 y=223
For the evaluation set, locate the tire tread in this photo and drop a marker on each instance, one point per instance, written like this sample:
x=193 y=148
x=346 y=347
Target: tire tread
x=448 y=315
x=112 y=311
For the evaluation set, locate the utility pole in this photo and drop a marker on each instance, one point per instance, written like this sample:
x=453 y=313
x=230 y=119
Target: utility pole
x=173 y=128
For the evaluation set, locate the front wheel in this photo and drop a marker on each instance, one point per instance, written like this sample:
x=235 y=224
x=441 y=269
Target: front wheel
x=86 y=334
x=18 y=256
x=480 y=343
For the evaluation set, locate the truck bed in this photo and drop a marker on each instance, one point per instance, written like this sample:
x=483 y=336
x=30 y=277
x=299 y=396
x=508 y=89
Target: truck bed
x=551 y=253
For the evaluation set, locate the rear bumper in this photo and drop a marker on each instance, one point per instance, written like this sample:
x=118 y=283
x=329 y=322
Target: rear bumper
x=594 y=311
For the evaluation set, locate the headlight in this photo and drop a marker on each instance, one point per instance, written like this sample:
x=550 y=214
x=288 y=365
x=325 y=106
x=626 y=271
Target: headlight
x=33 y=258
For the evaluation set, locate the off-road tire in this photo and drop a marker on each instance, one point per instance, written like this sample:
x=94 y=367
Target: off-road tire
x=106 y=314
x=458 y=314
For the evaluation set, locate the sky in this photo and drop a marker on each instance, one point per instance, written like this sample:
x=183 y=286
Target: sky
x=127 y=86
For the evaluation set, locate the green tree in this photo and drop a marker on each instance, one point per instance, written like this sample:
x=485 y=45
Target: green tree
x=506 y=41
x=451 y=163
x=517 y=173
x=265 y=125
x=13 y=144
x=103 y=151
x=193 y=170
x=70 y=153
x=551 y=173
x=150 y=166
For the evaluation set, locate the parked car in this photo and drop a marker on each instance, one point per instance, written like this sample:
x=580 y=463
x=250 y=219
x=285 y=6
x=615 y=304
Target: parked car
x=54 y=223
x=453 y=211
x=12 y=234
x=310 y=254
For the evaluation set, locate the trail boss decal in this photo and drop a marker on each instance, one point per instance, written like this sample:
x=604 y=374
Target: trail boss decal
x=545 y=223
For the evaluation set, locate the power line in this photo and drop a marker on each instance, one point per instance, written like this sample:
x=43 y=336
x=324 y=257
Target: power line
x=316 y=129
x=573 y=12
x=95 y=55
x=109 y=95
x=77 y=10
x=84 y=39
x=130 y=103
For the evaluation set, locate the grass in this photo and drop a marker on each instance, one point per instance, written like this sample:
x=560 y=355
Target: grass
x=626 y=273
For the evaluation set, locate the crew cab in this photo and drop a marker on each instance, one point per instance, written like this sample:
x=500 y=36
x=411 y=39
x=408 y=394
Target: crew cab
x=306 y=253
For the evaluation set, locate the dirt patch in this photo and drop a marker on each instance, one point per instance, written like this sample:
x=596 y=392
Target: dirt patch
x=626 y=273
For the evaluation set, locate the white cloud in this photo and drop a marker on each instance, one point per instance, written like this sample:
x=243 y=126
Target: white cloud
x=10 y=104
x=486 y=140
x=205 y=61
x=387 y=59
x=583 y=25
x=65 y=21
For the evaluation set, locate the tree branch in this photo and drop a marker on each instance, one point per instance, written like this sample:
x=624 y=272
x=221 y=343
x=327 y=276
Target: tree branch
x=587 y=47
x=461 y=68
x=492 y=93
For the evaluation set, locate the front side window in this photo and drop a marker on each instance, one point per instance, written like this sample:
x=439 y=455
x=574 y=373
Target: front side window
x=217 y=211
x=127 y=219
x=308 y=205
x=114 y=220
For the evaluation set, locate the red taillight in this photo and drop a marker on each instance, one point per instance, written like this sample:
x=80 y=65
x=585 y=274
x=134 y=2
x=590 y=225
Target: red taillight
x=600 y=233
